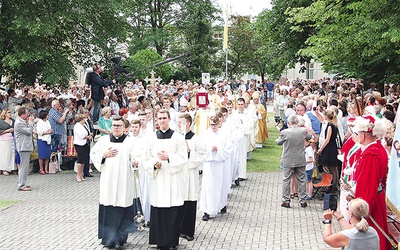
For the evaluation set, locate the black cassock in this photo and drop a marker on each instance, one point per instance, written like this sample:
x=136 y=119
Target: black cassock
x=165 y=222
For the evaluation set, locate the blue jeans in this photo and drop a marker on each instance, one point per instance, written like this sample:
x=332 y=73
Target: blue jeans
x=55 y=141
x=96 y=111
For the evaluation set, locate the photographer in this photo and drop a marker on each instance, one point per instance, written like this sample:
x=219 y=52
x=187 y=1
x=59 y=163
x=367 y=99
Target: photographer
x=356 y=235
x=57 y=119
x=97 y=85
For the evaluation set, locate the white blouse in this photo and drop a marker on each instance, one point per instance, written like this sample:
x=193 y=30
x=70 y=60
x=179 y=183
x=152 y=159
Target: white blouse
x=80 y=132
x=41 y=127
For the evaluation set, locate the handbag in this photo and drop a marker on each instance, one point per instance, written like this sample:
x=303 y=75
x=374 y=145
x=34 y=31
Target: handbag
x=54 y=165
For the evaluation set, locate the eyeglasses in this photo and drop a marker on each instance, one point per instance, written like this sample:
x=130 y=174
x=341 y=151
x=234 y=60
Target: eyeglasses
x=117 y=125
x=213 y=125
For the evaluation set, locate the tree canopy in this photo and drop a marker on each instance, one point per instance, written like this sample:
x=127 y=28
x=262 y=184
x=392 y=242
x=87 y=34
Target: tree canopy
x=142 y=62
x=357 y=38
x=354 y=38
x=49 y=37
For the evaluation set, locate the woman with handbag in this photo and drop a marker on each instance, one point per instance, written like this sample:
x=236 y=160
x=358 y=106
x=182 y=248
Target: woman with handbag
x=82 y=139
x=44 y=132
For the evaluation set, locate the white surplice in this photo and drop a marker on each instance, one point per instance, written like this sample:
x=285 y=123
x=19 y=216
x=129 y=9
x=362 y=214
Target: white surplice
x=118 y=183
x=167 y=185
x=198 y=153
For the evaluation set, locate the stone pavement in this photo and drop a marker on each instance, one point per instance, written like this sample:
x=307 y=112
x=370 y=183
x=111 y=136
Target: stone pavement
x=62 y=214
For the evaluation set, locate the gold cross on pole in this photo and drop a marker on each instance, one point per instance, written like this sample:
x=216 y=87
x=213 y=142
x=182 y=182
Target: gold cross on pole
x=152 y=78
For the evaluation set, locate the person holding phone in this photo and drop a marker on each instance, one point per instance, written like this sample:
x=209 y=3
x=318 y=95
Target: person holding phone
x=356 y=235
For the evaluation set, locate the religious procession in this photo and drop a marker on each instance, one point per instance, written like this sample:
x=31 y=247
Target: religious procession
x=164 y=151
x=152 y=145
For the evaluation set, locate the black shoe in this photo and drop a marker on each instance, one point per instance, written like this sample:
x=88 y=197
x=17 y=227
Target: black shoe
x=205 y=217
x=285 y=204
x=189 y=238
x=200 y=171
x=242 y=179
x=88 y=175
x=223 y=210
x=119 y=247
x=237 y=183
x=303 y=204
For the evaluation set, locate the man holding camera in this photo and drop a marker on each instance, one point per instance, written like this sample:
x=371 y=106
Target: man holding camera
x=57 y=119
x=97 y=85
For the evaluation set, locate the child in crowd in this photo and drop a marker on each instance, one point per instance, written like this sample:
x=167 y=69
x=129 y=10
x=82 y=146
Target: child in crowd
x=309 y=168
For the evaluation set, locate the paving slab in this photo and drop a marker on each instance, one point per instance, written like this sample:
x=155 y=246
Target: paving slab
x=60 y=213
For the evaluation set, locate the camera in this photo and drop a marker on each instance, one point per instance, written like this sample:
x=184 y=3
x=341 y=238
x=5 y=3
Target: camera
x=277 y=119
x=330 y=201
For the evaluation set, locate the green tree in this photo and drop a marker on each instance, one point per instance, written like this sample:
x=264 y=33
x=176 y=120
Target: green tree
x=194 y=35
x=141 y=63
x=241 y=51
x=173 y=28
x=151 y=21
x=353 y=38
x=49 y=37
x=280 y=43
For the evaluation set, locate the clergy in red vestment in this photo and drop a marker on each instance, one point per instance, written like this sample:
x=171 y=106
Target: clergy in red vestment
x=371 y=172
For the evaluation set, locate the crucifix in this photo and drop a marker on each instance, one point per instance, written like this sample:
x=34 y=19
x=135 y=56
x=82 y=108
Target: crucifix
x=152 y=79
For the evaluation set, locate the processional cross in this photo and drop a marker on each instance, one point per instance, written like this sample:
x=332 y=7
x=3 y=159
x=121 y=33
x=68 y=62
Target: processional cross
x=152 y=79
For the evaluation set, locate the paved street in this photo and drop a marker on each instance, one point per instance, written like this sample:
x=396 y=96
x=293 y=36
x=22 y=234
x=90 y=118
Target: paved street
x=62 y=214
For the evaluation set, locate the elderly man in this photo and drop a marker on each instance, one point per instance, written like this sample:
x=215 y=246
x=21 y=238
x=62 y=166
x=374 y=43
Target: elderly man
x=23 y=128
x=371 y=172
x=293 y=159
x=57 y=119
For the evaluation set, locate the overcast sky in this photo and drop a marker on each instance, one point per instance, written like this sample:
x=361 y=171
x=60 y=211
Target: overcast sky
x=244 y=7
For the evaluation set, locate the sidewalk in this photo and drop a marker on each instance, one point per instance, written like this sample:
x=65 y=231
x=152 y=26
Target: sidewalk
x=62 y=214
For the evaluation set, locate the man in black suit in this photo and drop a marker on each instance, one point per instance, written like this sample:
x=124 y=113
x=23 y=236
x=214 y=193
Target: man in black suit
x=97 y=84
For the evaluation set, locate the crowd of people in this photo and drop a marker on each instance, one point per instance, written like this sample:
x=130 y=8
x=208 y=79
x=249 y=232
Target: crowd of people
x=351 y=132
x=151 y=142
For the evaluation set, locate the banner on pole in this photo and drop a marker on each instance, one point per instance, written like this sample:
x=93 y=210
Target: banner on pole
x=393 y=180
x=225 y=45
